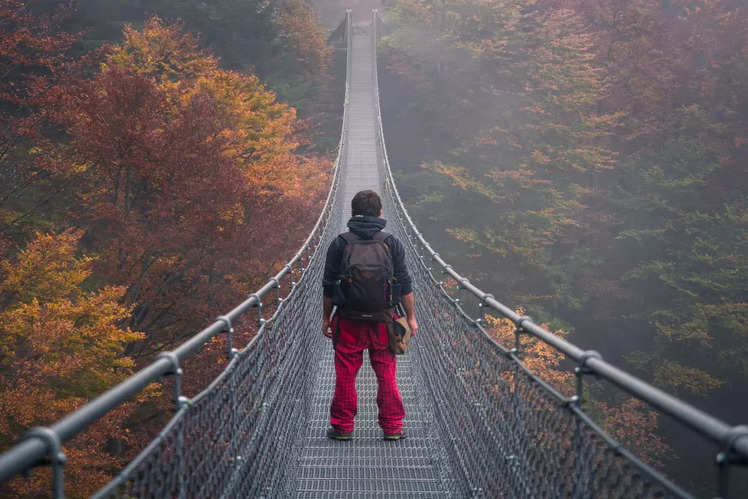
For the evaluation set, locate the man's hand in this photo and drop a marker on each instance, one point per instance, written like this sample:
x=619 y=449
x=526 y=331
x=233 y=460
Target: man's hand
x=413 y=325
x=326 y=313
x=326 y=329
x=410 y=311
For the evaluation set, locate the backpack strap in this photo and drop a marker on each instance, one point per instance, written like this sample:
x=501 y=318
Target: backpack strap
x=349 y=237
x=379 y=236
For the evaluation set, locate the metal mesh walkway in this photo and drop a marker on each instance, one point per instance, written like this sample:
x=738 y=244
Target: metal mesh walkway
x=368 y=466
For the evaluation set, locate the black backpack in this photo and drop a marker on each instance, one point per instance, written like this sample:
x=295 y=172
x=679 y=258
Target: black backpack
x=366 y=277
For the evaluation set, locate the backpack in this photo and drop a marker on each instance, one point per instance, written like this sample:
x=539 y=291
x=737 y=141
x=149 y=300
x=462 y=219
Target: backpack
x=366 y=278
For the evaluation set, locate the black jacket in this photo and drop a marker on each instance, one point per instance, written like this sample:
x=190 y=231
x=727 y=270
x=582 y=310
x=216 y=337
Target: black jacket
x=365 y=227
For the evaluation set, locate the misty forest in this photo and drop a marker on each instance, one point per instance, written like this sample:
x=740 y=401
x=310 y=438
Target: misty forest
x=585 y=160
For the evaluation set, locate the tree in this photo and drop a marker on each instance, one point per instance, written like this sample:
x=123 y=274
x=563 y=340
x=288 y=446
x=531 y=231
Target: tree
x=61 y=344
x=186 y=170
x=184 y=180
x=33 y=59
x=279 y=41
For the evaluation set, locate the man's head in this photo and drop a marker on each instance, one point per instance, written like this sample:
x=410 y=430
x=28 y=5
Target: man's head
x=366 y=203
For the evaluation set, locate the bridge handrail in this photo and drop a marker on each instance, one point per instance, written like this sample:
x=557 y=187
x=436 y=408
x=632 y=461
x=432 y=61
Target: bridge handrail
x=39 y=444
x=729 y=438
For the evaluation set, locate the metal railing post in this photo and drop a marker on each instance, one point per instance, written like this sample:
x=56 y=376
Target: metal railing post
x=56 y=455
x=258 y=305
x=481 y=320
x=515 y=460
x=231 y=351
x=576 y=401
x=234 y=421
x=179 y=402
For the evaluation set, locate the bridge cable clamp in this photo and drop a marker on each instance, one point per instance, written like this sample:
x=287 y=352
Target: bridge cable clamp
x=519 y=325
x=52 y=441
x=482 y=305
x=586 y=356
x=574 y=400
x=55 y=455
x=729 y=456
x=173 y=359
x=227 y=321
x=579 y=372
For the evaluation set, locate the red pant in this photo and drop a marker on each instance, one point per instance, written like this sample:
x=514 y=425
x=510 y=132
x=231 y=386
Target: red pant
x=353 y=338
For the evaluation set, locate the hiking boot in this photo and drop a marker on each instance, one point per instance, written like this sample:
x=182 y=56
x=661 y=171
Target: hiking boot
x=336 y=435
x=394 y=436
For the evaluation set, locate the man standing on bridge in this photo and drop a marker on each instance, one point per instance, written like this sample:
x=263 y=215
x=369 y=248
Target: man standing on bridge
x=358 y=326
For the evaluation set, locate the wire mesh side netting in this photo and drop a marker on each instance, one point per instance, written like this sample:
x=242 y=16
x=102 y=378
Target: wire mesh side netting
x=234 y=439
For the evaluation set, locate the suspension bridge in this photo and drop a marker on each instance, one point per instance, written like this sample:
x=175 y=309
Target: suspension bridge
x=479 y=422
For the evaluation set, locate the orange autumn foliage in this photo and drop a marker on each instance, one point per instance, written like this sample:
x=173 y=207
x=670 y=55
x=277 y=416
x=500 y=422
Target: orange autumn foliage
x=258 y=130
x=635 y=425
x=628 y=420
x=60 y=345
x=189 y=170
x=539 y=357
x=186 y=184
x=161 y=52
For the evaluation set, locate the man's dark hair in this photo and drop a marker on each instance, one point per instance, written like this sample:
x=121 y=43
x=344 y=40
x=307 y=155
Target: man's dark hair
x=366 y=203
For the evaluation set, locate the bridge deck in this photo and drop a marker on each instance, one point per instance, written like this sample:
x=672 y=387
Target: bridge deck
x=368 y=466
